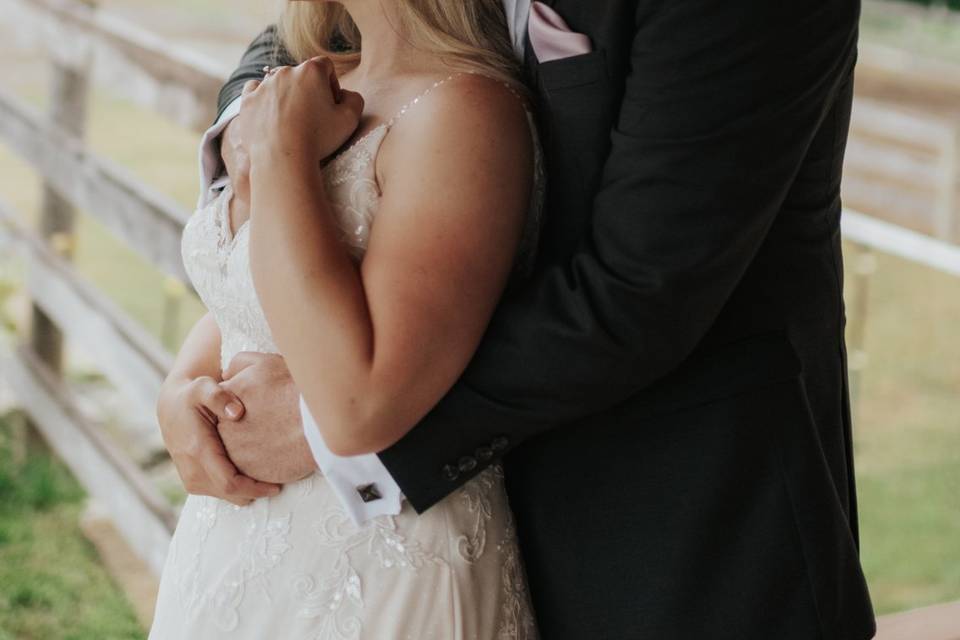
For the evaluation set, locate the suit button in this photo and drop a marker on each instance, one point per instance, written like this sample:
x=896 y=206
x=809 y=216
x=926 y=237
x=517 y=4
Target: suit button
x=450 y=472
x=500 y=443
x=484 y=453
x=467 y=464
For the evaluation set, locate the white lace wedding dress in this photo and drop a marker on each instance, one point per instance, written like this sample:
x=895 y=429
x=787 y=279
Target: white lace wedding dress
x=295 y=566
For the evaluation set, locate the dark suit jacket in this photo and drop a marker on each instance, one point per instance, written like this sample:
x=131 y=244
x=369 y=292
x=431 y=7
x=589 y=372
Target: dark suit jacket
x=670 y=386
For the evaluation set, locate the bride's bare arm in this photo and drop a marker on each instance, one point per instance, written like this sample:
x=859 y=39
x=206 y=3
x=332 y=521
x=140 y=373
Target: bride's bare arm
x=373 y=348
x=191 y=391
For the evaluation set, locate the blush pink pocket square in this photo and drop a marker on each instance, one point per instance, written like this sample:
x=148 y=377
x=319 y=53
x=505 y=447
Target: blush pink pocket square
x=550 y=36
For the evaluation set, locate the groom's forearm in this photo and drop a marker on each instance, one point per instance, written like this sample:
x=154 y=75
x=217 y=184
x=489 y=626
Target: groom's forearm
x=265 y=50
x=216 y=164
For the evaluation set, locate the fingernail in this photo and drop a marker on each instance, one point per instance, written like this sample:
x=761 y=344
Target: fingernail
x=233 y=409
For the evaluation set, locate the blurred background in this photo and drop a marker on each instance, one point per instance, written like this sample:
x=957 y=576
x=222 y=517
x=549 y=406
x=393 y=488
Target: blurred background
x=83 y=527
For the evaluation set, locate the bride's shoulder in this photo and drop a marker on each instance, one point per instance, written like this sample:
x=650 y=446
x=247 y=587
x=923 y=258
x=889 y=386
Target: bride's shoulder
x=484 y=94
x=467 y=140
x=468 y=127
x=468 y=109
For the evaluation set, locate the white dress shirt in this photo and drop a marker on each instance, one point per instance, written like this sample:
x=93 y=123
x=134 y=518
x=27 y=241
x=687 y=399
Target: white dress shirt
x=362 y=483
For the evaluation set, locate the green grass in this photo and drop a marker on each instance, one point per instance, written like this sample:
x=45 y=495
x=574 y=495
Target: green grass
x=52 y=586
x=907 y=435
x=930 y=34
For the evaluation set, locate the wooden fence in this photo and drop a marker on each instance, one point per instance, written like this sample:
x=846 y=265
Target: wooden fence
x=905 y=168
x=84 y=43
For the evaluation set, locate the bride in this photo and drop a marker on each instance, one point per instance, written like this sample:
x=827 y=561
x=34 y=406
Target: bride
x=374 y=252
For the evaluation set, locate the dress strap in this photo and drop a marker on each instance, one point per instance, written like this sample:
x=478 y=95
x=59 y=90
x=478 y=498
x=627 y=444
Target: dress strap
x=405 y=108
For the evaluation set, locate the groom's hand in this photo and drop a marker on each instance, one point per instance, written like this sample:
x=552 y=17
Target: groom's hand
x=186 y=411
x=266 y=441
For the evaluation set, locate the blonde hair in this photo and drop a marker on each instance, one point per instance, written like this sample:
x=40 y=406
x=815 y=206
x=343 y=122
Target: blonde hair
x=470 y=35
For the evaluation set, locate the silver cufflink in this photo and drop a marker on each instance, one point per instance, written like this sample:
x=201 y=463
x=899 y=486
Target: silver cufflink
x=369 y=493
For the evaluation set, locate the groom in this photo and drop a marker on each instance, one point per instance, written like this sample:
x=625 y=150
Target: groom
x=669 y=390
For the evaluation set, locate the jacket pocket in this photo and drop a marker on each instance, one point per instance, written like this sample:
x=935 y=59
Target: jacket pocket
x=575 y=71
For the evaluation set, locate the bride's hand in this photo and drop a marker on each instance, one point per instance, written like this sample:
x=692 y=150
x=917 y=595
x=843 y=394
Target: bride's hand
x=297 y=114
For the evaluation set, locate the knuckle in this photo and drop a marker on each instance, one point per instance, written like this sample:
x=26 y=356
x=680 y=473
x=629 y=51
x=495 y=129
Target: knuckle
x=192 y=386
x=320 y=64
x=196 y=386
x=217 y=395
x=232 y=387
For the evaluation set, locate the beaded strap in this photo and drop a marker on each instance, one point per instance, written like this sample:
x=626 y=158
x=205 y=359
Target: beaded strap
x=405 y=108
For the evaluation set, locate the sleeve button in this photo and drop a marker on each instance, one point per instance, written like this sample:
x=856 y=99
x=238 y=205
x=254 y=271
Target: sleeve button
x=467 y=464
x=485 y=453
x=450 y=472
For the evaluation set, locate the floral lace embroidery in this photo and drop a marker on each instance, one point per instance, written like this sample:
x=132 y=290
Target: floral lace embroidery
x=331 y=601
x=336 y=601
x=517 y=621
x=476 y=497
x=262 y=546
x=354 y=192
x=203 y=521
x=516 y=617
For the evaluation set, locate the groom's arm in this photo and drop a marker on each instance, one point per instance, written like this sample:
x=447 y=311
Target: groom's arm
x=264 y=51
x=721 y=104
x=217 y=151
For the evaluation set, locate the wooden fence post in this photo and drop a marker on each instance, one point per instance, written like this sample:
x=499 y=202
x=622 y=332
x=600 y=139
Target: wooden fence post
x=68 y=111
x=864 y=266
x=954 y=235
x=945 y=213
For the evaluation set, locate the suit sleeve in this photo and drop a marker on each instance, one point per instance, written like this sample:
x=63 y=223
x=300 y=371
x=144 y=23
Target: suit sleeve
x=265 y=50
x=720 y=105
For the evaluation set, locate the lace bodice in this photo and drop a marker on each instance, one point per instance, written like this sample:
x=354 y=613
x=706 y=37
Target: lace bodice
x=217 y=261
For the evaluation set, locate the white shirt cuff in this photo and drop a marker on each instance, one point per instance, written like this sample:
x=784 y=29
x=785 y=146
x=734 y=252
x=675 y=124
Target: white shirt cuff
x=353 y=477
x=212 y=176
x=518 y=17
